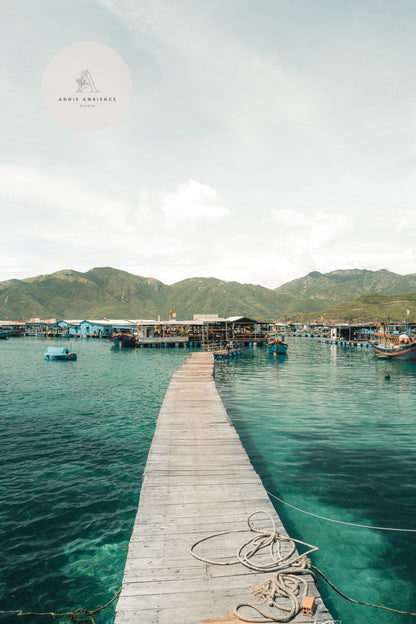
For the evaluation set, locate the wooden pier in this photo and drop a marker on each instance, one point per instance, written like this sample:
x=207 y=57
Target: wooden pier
x=198 y=482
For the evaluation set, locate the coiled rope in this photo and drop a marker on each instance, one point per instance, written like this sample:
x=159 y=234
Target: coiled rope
x=79 y=616
x=286 y=590
x=287 y=582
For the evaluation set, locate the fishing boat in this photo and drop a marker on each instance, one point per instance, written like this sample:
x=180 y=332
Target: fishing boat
x=276 y=345
x=124 y=339
x=59 y=353
x=394 y=346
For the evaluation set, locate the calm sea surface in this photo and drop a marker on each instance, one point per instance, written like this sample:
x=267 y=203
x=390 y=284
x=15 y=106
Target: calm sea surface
x=323 y=427
x=329 y=434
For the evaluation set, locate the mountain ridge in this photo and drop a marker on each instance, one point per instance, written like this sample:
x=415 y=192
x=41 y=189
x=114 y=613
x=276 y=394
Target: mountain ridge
x=110 y=292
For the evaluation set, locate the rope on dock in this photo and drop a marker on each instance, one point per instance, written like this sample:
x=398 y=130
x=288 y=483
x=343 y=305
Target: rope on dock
x=353 y=524
x=79 y=616
x=287 y=582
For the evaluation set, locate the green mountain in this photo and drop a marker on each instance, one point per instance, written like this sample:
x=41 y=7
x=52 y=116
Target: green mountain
x=400 y=308
x=71 y=294
x=117 y=294
x=208 y=294
x=320 y=291
x=113 y=293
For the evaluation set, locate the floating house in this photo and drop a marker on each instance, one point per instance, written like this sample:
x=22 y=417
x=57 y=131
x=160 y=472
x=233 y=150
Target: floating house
x=202 y=329
x=93 y=328
x=248 y=331
x=241 y=329
x=105 y=328
x=49 y=328
x=12 y=328
x=165 y=333
x=71 y=327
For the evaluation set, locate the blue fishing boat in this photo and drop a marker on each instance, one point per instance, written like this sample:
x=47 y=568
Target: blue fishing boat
x=276 y=345
x=393 y=346
x=59 y=353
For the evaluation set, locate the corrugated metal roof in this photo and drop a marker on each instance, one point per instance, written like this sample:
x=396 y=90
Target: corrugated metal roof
x=108 y=322
x=172 y=322
x=234 y=319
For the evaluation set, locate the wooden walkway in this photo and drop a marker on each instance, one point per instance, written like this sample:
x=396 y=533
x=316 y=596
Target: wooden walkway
x=198 y=481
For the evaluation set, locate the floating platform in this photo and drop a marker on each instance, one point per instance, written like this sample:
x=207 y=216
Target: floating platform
x=347 y=343
x=220 y=354
x=198 y=482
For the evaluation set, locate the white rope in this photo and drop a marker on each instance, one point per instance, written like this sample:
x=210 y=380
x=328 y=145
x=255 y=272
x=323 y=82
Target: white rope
x=286 y=590
x=287 y=582
x=361 y=526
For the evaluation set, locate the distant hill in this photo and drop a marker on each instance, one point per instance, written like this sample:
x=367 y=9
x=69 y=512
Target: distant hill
x=70 y=294
x=319 y=291
x=376 y=308
x=117 y=294
x=113 y=293
x=367 y=308
x=208 y=294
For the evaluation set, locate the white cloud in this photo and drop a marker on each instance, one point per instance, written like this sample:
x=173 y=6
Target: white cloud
x=186 y=232
x=257 y=147
x=193 y=202
x=60 y=216
x=57 y=206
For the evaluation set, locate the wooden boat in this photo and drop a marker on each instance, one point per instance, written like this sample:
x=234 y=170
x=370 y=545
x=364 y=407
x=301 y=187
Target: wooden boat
x=276 y=345
x=59 y=353
x=394 y=346
x=124 y=339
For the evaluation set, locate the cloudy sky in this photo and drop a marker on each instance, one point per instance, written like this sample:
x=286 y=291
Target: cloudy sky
x=264 y=139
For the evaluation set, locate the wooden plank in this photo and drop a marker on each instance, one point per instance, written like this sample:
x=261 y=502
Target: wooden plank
x=198 y=482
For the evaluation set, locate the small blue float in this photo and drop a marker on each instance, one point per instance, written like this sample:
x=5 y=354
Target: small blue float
x=59 y=353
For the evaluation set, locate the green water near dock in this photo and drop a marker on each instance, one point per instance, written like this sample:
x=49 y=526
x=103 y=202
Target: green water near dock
x=329 y=434
x=323 y=428
x=74 y=442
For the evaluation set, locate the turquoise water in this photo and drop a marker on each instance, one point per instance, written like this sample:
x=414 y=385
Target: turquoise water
x=329 y=434
x=74 y=440
x=323 y=427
